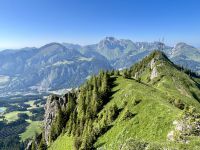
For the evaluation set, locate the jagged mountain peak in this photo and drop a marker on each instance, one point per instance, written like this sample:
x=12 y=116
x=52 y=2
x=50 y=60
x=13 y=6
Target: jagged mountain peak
x=110 y=38
x=109 y=43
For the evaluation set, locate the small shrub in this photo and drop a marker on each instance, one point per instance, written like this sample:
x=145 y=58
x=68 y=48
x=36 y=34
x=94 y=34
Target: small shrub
x=128 y=115
x=137 y=101
x=77 y=143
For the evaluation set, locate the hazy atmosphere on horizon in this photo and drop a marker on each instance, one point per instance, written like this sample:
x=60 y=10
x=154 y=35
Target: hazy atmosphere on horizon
x=25 y=23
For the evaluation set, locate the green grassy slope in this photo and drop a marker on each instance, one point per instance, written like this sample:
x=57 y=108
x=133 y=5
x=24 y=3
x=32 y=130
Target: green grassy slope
x=63 y=142
x=31 y=130
x=153 y=118
x=147 y=109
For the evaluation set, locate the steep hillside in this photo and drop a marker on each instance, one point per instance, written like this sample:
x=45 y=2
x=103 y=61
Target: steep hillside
x=152 y=105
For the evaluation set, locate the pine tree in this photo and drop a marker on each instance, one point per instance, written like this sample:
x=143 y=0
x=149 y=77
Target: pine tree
x=104 y=87
x=33 y=147
x=112 y=72
x=57 y=126
x=70 y=104
x=77 y=143
x=81 y=104
x=117 y=73
x=42 y=145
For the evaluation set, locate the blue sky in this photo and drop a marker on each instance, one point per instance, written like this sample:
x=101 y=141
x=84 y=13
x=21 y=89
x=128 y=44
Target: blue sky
x=37 y=22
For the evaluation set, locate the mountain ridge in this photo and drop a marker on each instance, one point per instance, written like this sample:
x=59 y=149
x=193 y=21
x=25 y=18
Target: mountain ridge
x=117 y=110
x=122 y=54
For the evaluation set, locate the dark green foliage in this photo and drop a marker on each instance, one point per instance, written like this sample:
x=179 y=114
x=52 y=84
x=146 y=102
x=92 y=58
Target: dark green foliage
x=112 y=72
x=80 y=115
x=188 y=71
x=177 y=103
x=57 y=125
x=128 y=115
x=11 y=141
x=42 y=145
x=126 y=73
x=33 y=146
x=137 y=101
x=77 y=143
x=116 y=73
x=65 y=117
x=12 y=129
x=23 y=116
x=112 y=113
x=37 y=114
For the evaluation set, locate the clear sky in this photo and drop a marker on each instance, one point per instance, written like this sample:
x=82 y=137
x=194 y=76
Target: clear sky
x=37 y=22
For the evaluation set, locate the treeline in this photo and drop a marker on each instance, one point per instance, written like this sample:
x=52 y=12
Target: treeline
x=83 y=118
x=188 y=71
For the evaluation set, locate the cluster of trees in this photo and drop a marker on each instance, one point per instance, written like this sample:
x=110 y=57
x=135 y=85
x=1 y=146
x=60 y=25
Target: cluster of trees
x=12 y=143
x=188 y=71
x=82 y=117
x=37 y=114
x=9 y=134
x=91 y=98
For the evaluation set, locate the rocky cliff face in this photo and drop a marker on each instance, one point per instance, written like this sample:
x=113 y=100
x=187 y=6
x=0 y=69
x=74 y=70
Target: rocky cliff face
x=51 y=108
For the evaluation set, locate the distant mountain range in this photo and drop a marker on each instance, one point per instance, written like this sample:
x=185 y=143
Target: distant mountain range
x=57 y=66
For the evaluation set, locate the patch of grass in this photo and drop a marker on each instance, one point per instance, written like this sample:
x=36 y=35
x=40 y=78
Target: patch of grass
x=31 y=130
x=63 y=142
x=31 y=103
x=2 y=109
x=12 y=116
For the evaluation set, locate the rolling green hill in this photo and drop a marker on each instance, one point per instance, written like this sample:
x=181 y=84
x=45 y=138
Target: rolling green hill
x=153 y=105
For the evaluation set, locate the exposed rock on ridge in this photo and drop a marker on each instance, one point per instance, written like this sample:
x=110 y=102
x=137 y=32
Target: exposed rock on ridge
x=51 y=108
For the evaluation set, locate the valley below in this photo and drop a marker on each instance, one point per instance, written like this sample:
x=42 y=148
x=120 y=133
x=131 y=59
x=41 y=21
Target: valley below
x=20 y=119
